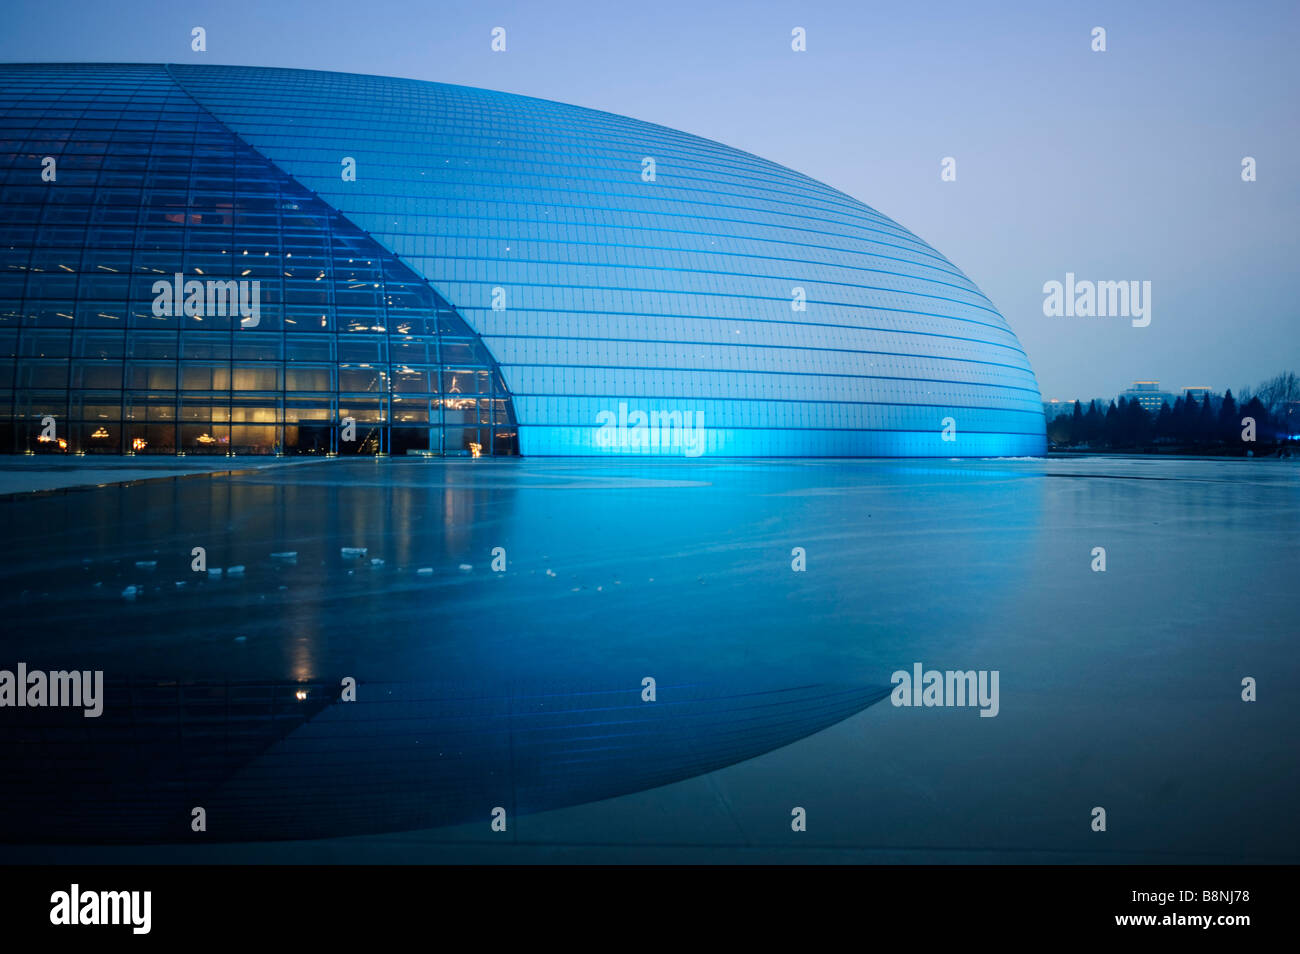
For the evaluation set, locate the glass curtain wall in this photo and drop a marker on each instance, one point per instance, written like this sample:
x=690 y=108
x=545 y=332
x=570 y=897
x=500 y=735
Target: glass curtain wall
x=116 y=189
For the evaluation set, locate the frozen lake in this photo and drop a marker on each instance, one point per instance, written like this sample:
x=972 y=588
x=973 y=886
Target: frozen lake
x=1119 y=689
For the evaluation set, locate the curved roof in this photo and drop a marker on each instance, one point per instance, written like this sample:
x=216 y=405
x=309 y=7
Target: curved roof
x=672 y=292
x=635 y=289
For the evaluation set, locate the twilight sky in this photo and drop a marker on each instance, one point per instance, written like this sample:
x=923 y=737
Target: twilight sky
x=1123 y=165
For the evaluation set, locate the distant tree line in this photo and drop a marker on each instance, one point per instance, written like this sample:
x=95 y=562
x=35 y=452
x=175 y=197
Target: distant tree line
x=1211 y=425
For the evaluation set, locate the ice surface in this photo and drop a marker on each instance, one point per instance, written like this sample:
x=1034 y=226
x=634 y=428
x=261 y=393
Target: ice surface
x=1119 y=689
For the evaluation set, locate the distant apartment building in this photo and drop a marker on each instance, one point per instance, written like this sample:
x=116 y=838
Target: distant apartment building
x=1053 y=409
x=1149 y=395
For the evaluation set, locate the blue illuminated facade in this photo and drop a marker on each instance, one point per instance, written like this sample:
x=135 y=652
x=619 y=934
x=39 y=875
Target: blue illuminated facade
x=459 y=271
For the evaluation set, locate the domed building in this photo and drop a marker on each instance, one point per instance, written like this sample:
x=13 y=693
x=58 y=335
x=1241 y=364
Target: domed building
x=206 y=259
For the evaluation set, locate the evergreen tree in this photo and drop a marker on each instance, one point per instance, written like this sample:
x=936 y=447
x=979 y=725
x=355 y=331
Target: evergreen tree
x=1176 y=415
x=1187 y=420
x=1058 y=429
x=1229 y=422
x=1136 y=425
x=1092 y=424
x=1164 y=424
x=1207 y=426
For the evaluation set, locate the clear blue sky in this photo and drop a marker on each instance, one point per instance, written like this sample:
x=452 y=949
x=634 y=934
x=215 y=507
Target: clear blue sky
x=1116 y=165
